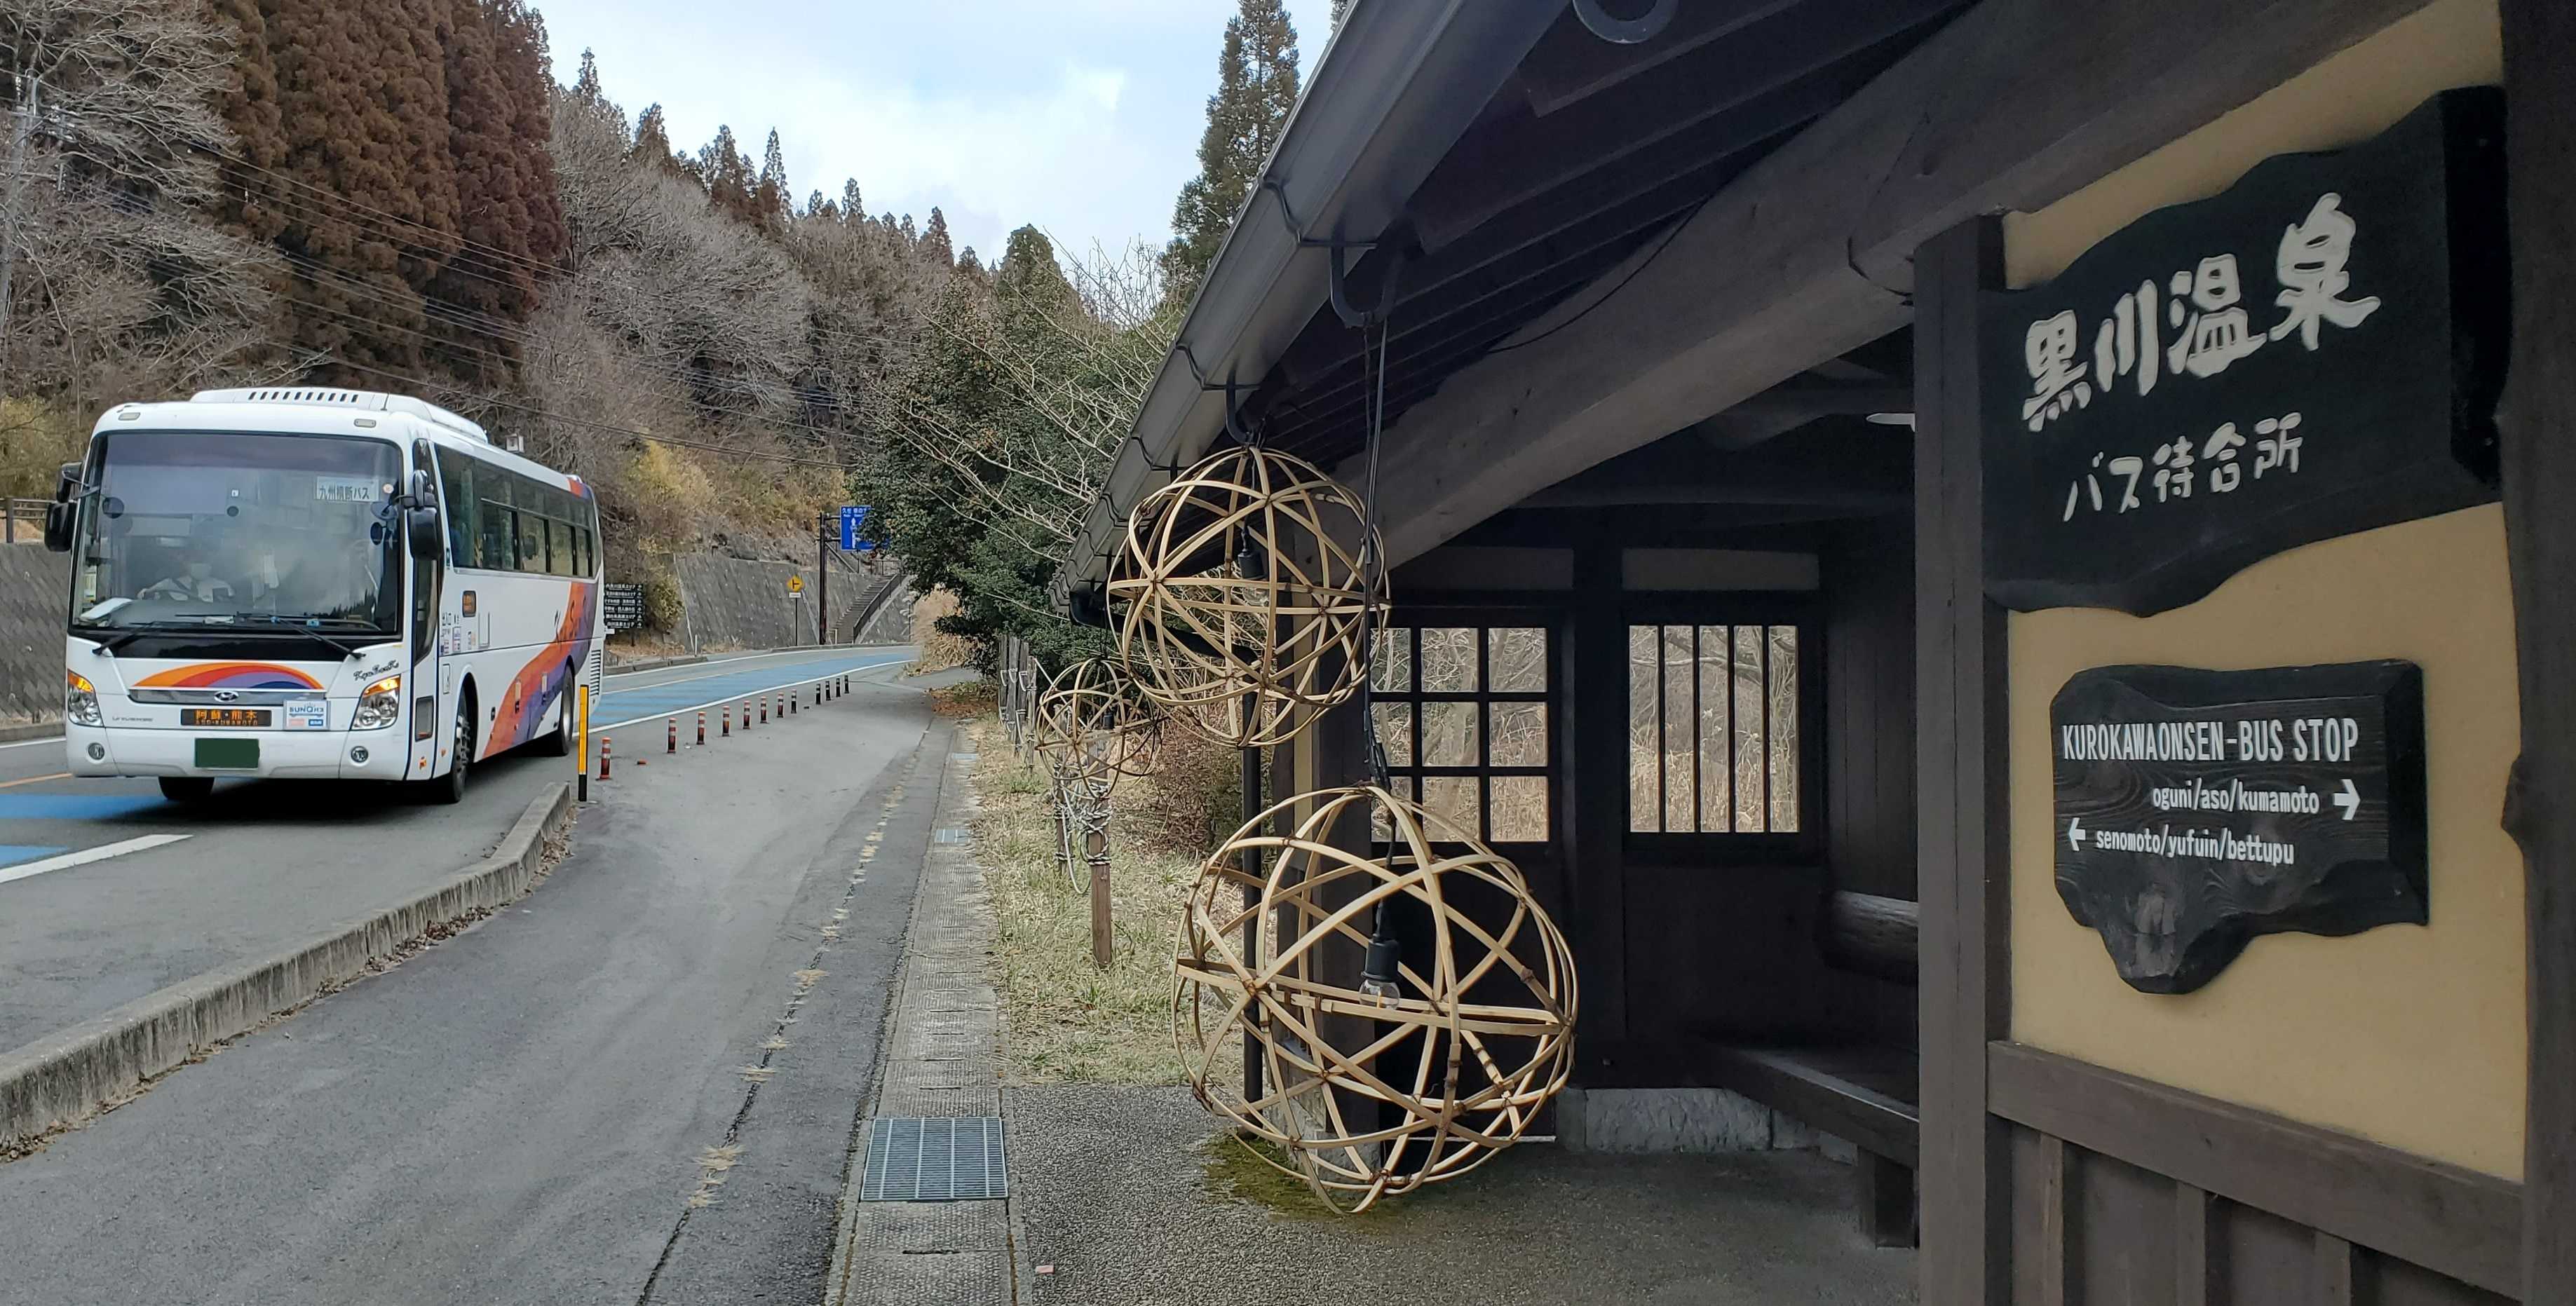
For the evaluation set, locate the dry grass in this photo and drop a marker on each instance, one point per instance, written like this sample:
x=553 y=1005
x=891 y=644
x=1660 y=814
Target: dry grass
x=1066 y=1020
x=939 y=650
x=972 y=698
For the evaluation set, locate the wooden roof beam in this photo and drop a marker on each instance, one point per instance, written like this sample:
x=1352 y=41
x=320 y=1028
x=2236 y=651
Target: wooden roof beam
x=1806 y=256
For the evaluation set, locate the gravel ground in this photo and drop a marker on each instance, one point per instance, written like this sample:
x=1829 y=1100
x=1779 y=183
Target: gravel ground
x=1115 y=1191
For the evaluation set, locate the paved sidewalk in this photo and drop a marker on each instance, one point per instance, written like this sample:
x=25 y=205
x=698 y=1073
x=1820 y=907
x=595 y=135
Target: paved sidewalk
x=942 y=1058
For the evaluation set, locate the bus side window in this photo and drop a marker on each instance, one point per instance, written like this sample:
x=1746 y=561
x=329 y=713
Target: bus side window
x=493 y=519
x=559 y=548
x=532 y=541
x=456 y=473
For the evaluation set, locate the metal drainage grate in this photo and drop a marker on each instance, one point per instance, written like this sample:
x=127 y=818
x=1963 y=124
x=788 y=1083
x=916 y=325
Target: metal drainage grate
x=949 y=834
x=940 y=1159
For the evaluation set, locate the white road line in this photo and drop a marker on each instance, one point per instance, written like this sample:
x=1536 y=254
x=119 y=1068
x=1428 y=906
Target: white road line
x=714 y=662
x=816 y=653
x=596 y=728
x=86 y=855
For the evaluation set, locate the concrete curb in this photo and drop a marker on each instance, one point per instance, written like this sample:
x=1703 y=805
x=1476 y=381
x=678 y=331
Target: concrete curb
x=65 y=1076
x=33 y=730
x=616 y=668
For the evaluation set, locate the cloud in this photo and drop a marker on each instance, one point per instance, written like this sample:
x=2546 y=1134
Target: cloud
x=1081 y=116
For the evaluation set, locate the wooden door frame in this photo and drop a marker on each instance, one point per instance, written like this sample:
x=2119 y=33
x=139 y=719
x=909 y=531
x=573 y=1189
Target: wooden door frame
x=2537 y=419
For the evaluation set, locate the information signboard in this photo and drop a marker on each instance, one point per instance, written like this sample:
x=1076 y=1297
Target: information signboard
x=2197 y=809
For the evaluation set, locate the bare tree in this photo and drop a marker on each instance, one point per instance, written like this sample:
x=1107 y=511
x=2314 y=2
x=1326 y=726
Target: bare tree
x=113 y=280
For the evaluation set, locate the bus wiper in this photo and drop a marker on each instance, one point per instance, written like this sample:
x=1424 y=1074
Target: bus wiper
x=307 y=626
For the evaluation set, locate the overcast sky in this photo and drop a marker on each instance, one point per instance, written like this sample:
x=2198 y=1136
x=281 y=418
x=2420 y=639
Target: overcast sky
x=1082 y=116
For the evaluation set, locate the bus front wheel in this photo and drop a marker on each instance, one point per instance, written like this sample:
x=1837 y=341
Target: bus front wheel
x=187 y=788
x=450 y=788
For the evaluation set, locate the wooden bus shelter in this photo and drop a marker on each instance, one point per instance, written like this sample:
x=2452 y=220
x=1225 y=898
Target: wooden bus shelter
x=2005 y=568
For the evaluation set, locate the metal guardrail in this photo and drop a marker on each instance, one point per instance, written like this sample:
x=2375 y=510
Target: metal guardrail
x=22 y=521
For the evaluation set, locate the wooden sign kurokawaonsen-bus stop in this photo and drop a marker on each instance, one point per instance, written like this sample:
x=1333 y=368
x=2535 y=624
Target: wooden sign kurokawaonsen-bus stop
x=1999 y=568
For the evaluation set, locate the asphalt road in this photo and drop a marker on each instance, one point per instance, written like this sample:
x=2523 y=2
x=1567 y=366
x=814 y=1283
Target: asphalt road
x=524 y=1113
x=269 y=864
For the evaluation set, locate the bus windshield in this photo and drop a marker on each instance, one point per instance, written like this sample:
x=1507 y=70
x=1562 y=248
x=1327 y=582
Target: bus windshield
x=225 y=529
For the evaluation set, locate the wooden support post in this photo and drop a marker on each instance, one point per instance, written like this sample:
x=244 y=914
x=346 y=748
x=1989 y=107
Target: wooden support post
x=2538 y=423
x=1884 y=1197
x=1252 y=805
x=1963 y=853
x=1095 y=850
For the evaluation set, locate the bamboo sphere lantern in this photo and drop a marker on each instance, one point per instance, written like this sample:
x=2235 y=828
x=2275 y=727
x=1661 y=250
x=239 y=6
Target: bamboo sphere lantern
x=1461 y=1028
x=1239 y=595
x=1093 y=725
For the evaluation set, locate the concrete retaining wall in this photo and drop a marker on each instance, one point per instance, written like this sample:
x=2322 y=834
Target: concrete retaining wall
x=35 y=593
x=742 y=602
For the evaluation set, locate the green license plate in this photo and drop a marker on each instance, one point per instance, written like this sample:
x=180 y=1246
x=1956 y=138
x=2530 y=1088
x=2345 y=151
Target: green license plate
x=228 y=754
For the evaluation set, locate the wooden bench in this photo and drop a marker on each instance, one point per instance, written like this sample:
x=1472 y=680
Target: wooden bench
x=1865 y=1093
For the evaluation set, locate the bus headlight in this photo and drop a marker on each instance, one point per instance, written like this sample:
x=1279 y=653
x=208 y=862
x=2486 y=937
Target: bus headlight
x=80 y=699
x=379 y=705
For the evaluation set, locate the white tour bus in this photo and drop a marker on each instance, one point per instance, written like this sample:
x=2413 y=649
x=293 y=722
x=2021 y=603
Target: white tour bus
x=318 y=583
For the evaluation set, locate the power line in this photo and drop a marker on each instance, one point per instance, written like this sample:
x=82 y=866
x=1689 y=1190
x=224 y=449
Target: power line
x=365 y=292
x=602 y=426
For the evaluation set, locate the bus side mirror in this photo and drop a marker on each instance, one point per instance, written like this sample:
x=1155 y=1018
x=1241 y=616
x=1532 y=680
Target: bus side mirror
x=421 y=532
x=60 y=513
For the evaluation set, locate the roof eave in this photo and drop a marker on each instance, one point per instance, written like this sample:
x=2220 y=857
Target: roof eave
x=1396 y=87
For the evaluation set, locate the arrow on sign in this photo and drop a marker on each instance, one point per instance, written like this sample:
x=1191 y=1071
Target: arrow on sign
x=2075 y=834
x=2349 y=800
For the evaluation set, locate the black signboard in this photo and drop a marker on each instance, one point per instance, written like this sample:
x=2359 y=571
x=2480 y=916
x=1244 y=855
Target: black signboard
x=2197 y=809
x=2315 y=351
x=621 y=607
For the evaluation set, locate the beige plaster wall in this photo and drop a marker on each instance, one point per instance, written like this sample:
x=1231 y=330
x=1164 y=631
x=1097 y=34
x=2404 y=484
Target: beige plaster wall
x=2412 y=1036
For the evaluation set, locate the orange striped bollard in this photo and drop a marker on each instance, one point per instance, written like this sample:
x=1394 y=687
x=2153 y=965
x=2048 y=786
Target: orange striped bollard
x=603 y=757
x=702 y=727
x=727 y=722
x=671 y=735
x=764 y=712
x=792 y=696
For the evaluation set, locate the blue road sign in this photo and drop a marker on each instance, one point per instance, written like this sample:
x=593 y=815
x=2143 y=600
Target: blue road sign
x=851 y=519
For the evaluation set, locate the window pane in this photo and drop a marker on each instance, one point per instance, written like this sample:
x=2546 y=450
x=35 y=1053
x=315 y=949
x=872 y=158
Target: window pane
x=456 y=486
x=559 y=548
x=1679 y=719
x=1391 y=662
x=532 y=541
x=1394 y=731
x=1716 y=797
x=1784 y=728
x=1452 y=798
x=1448 y=733
x=1516 y=660
x=1517 y=734
x=1449 y=659
x=497 y=534
x=1750 y=746
x=1645 y=799
x=1519 y=808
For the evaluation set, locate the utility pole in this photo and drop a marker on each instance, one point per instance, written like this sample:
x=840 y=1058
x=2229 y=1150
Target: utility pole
x=822 y=581
x=20 y=133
